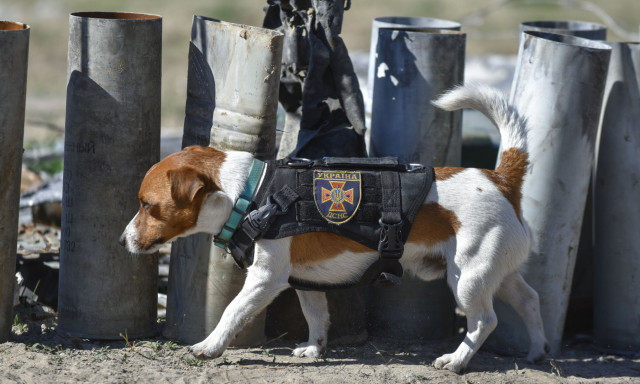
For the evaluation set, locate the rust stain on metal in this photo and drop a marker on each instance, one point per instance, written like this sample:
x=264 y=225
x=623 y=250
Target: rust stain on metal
x=273 y=43
x=270 y=72
x=12 y=26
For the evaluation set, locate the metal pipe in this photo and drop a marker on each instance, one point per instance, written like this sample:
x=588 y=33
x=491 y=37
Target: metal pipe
x=579 y=312
x=412 y=68
x=14 y=45
x=406 y=23
x=233 y=80
x=112 y=137
x=558 y=87
x=615 y=205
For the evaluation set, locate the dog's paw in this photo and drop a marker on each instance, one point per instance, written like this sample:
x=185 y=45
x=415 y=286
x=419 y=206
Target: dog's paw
x=308 y=350
x=537 y=355
x=449 y=362
x=204 y=351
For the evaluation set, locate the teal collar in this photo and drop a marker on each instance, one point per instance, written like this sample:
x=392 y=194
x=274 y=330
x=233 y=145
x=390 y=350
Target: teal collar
x=242 y=205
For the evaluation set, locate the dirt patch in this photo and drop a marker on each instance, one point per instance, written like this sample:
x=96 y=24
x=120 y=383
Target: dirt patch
x=38 y=353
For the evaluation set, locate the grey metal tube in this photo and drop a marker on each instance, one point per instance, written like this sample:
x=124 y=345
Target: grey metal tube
x=412 y=68
x=615 y=205
x=558 y=87
x=406 y=23
x=14 y=45
x=112 y=137
x=234 y=75
x=579 y=315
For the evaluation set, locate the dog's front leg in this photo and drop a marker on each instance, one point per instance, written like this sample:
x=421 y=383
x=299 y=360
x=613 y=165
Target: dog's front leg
x=265 y=280
x=316 y=312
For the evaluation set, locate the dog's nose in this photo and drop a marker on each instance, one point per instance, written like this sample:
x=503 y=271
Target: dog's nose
x=122 y=240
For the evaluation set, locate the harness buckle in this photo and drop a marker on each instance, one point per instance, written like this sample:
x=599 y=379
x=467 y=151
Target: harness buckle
x=299 y=162
x=415 y=167
x=260 y=219
x=390 y=245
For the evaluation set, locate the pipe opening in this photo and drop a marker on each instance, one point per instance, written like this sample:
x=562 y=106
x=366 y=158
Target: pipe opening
x=421 y=30
x=116 y=15
x=569 y=40
x=425 y=22
x=239 y=27
x=568 y=25
x=12 y=26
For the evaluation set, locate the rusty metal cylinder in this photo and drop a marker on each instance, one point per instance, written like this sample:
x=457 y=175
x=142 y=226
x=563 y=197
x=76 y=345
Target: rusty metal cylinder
x=558 y=87
x=413 y=67
x=112 y=137
x=616 y=192
x=14 y=56
x=232 y=97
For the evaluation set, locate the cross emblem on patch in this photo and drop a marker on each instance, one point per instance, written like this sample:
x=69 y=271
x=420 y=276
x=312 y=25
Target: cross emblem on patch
x=337 y=194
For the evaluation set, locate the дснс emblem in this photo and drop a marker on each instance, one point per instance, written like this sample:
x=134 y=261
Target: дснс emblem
x=337 y=194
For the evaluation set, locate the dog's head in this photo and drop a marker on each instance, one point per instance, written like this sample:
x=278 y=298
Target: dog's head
x=172 y=196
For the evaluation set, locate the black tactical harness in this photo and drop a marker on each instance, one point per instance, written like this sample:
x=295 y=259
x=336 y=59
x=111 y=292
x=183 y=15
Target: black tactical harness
x=370 y=200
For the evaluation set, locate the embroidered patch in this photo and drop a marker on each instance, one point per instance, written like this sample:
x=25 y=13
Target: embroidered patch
x=337 y=194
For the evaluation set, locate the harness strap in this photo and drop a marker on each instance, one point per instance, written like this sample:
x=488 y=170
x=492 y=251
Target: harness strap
x=377 y=273
x=257 y=222
x=241 y=206
x=391 y=246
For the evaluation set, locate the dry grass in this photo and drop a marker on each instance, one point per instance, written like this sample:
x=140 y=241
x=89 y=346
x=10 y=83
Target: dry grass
x=497 y=33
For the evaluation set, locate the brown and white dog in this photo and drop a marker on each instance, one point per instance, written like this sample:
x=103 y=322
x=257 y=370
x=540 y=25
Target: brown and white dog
x=469 y=229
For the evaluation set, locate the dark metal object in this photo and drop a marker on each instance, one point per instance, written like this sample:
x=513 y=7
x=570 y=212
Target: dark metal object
x=318 y=87
x=112 y=138
x=404 y=23
x=558 y=87
x=412 y=67
x=231 y=105
x=616 y=190
x=14 y=56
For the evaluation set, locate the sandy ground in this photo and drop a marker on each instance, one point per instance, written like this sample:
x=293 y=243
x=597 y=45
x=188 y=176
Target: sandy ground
x=37 y=353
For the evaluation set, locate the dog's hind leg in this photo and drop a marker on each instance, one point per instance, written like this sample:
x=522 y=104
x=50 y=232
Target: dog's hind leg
x=524 y=300
x=316 y=312
x=476 y=300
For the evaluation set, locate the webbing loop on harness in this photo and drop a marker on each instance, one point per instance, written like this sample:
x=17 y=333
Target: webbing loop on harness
x=256 y=223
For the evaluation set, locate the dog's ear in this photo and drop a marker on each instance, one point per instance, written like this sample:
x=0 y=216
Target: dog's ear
x=186 y=183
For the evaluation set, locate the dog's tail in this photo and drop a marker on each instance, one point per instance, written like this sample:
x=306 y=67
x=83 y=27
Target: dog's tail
x=513 y=129
x=491 y=103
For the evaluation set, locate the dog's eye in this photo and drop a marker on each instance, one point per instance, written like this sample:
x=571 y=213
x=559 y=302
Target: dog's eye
x=145 y=205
